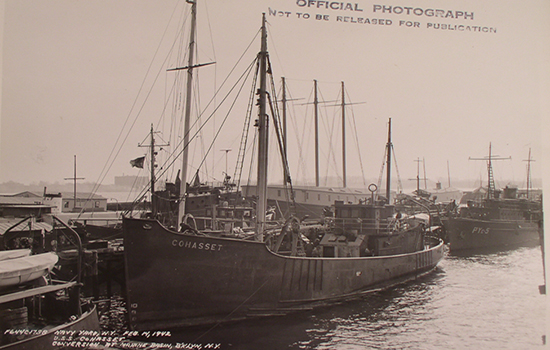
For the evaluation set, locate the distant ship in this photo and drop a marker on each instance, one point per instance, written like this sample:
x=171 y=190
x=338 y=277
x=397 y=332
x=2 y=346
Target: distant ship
x=496 y=220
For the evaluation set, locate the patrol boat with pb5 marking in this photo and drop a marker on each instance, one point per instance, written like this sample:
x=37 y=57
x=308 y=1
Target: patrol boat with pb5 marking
x=496 y=221
x=188 y=278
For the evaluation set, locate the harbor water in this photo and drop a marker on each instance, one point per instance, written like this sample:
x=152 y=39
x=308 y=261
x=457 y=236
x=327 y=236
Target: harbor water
x=487 y=300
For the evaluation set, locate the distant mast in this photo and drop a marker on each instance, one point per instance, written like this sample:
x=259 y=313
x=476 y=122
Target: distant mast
x=263 y=123
x=490 y=178
x=153 y=199
x=74 y=178
x=344 y=182
x=449 y=173
x=316 y=110
x=417 y=175
x=151 y=146
x=388 y=162
x=285 y=151
x=529 y=183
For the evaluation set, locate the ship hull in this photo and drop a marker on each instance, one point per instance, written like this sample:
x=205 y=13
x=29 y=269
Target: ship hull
x=468 y=234
x=176 y=280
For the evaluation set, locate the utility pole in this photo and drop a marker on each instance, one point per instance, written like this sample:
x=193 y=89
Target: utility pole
x=74 y=178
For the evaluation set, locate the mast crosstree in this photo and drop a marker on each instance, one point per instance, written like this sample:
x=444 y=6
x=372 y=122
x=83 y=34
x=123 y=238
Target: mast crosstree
x=490 y=177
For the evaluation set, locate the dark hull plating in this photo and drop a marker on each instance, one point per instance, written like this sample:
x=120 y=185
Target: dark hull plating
x=176 y=280
x=467 y=233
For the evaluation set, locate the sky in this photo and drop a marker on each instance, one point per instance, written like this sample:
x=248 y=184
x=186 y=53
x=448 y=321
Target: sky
x=78 y=77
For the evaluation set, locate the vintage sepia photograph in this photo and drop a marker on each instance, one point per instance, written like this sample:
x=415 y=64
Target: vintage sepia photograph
x=274 y=174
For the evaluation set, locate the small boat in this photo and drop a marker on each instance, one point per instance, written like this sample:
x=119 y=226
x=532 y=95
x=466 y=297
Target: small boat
x=35 y=309
x=15 y=271
x=496 y=221
x=14 y=254
x=179 y=278
x=32 y=317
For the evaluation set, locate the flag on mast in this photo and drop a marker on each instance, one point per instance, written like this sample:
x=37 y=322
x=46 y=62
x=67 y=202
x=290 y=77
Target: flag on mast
x=138 y=162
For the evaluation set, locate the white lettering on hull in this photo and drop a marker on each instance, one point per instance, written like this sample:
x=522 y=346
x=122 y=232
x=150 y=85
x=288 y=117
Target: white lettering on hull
x=480 y=230
x=182 y=243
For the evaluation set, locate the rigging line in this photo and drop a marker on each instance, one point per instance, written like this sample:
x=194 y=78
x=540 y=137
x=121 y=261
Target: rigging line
x=301 y=140
x=210 y=30
x=276 y=121
x=399 y=184
x=330 y=155
x=273 y=48
x=329 y=132
x=150 y=93
x=180 y=53
x=246 y=128
x=322 y=113
x=254 y=143
x=104 y=172
x=168 y=163
x=166 y=166
x=175 y=97
x=222 y=85
x=141 y=193
x=214 y=58
x=172 y=94
x=243 y=77
x=358 y=148
x=106 y=168
x=354 y=128
x=224 y=120
x=196 y=101
x=294 y=121
x=276 y=116
x=232 y=69
x=382 y=169
x=335 y=120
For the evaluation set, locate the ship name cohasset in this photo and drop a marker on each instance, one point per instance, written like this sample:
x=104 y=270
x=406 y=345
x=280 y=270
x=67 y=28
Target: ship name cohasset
x=417 y=11
x=194 y=245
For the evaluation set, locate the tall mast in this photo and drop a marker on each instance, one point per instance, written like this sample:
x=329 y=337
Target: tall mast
x=417 y=175
x=153 y=199
x=388 y=162
x=284 y=100
x=344 y=137
x=263 y=123
x=187 y=116
x=490 y=178
x=316 y=107
x=151 y=146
